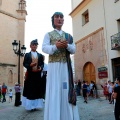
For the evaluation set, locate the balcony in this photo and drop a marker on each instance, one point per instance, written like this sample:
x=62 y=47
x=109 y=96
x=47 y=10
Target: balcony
x=115 y=42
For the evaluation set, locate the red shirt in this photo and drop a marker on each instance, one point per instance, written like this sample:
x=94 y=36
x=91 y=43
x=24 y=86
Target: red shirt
x=4 y=88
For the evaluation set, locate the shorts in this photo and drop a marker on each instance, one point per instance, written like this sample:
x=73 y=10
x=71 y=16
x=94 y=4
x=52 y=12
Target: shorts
x=10 y=96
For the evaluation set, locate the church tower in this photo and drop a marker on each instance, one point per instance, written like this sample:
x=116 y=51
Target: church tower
x=12 y=27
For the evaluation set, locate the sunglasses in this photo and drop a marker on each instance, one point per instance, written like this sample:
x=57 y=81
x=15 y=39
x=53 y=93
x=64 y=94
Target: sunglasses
x=57 y=16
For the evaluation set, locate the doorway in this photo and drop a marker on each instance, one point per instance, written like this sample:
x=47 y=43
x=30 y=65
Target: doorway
x=89 y=72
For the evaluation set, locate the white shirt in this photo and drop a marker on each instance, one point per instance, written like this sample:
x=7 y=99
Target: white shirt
x=50 y=49
x=34 y=54
x=110 y=89
x=10 y=93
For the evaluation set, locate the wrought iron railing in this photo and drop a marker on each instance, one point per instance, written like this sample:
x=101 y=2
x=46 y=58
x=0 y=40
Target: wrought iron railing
x=115 y=42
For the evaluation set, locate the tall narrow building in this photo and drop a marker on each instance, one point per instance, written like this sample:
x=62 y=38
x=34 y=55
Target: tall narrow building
x=12 y=27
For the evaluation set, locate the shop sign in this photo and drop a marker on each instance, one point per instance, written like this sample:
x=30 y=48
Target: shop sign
x=101 y=69
x=103 y=74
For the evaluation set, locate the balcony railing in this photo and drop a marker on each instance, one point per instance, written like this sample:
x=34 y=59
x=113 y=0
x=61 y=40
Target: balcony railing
x=115 y=42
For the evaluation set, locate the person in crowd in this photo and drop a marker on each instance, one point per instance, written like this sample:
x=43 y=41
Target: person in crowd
x=43 y=77
x=10 y=95
x=59 y=44
x=32 y=92
x=85 y=91
x=105 y=90
x=113 y=87
x=0 y=92
x=95 y=94
x=117 y=97
x=88 y=89
x=91 y=88
x=79 y=87
x=17 y=94
x=4 y=91
x=110 y=90
x=76 y=89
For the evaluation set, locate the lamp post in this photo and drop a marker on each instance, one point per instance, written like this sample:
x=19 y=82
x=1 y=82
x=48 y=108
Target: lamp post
x=20 y=53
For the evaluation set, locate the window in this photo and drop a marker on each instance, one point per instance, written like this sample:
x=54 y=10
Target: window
x=118 y=23
x=10 y=77
x=85 y=17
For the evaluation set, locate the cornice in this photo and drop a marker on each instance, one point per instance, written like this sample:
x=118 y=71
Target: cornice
x=8 y=14
x=79 y=7
x=13 y=16
x=89 y=35
x=6 y=64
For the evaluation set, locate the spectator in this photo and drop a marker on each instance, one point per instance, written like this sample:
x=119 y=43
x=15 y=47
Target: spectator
x=110 y=90
x=91 y=88
x=85 y=91
x=4 y=90
x=79 y=87
x=17 y=94
x=43 y=78
x=117 y=97
x=10 y=95
x=105 y=90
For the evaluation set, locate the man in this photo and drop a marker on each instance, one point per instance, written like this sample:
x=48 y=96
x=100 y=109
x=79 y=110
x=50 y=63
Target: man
x=32 y=93
x=4 y=90
x=109 y=86
x=57 y=106
x=43 y=76
x=116 y=96
x=79 y=87
x=85 y=91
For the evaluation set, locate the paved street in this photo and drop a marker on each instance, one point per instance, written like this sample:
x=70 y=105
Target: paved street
x=96 y=109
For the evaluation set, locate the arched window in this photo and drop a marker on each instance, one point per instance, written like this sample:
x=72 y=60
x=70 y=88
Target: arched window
x=10 y=77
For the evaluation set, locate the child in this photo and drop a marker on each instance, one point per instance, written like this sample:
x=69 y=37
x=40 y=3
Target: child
x=10 y=95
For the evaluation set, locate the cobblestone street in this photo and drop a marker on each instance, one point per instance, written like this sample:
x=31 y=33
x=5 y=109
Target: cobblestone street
x=95 y=109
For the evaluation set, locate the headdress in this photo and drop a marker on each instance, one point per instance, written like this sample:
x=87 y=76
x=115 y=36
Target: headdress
x=34 y=42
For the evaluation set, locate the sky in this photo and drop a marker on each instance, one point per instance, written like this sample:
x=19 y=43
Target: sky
x=38 y=20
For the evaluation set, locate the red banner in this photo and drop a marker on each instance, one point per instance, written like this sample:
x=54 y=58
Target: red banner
x=103 y=74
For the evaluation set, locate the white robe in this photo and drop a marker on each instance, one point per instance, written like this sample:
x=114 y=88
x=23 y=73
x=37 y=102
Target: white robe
x=57 y=106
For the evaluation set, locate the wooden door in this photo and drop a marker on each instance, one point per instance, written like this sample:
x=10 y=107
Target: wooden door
x=89 y=72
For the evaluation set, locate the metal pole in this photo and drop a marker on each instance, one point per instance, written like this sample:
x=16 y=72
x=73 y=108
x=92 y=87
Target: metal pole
x=19 y=63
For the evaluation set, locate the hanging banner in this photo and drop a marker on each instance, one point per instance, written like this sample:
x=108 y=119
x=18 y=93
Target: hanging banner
x=102 y=72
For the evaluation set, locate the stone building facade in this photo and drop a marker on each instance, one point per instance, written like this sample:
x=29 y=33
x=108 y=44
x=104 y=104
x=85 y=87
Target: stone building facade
x=12 y=27
x=96 y=32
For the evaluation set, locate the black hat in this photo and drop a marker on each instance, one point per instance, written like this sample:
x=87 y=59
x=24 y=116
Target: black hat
x=34 y=42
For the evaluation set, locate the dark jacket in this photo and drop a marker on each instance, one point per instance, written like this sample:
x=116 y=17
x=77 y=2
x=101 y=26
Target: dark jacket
x=28 y=60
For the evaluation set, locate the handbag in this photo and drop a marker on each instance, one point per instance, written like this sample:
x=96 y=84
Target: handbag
x=72 y=92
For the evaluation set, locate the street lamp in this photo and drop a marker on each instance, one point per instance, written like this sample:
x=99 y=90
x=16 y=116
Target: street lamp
x=20 y=53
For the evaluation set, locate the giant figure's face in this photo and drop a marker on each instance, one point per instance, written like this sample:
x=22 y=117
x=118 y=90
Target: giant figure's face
x=57 y=20
x=33 y=47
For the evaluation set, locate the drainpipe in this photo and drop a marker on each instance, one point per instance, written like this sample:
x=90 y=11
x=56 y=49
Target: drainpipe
x=104 y=12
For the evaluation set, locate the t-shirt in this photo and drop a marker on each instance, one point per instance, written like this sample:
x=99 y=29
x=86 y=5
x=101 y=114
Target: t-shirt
x=84 y=88
x=10 y=93
x=4 y=88
x=117 y=90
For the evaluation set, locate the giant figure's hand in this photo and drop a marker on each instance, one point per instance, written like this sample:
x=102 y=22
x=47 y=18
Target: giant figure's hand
x=61 y=44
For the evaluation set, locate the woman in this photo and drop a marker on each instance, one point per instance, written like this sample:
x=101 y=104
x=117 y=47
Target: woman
x=105 y=90
x=17 y=94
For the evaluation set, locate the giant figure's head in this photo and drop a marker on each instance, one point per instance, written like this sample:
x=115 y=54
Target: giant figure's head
x=57 y=19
